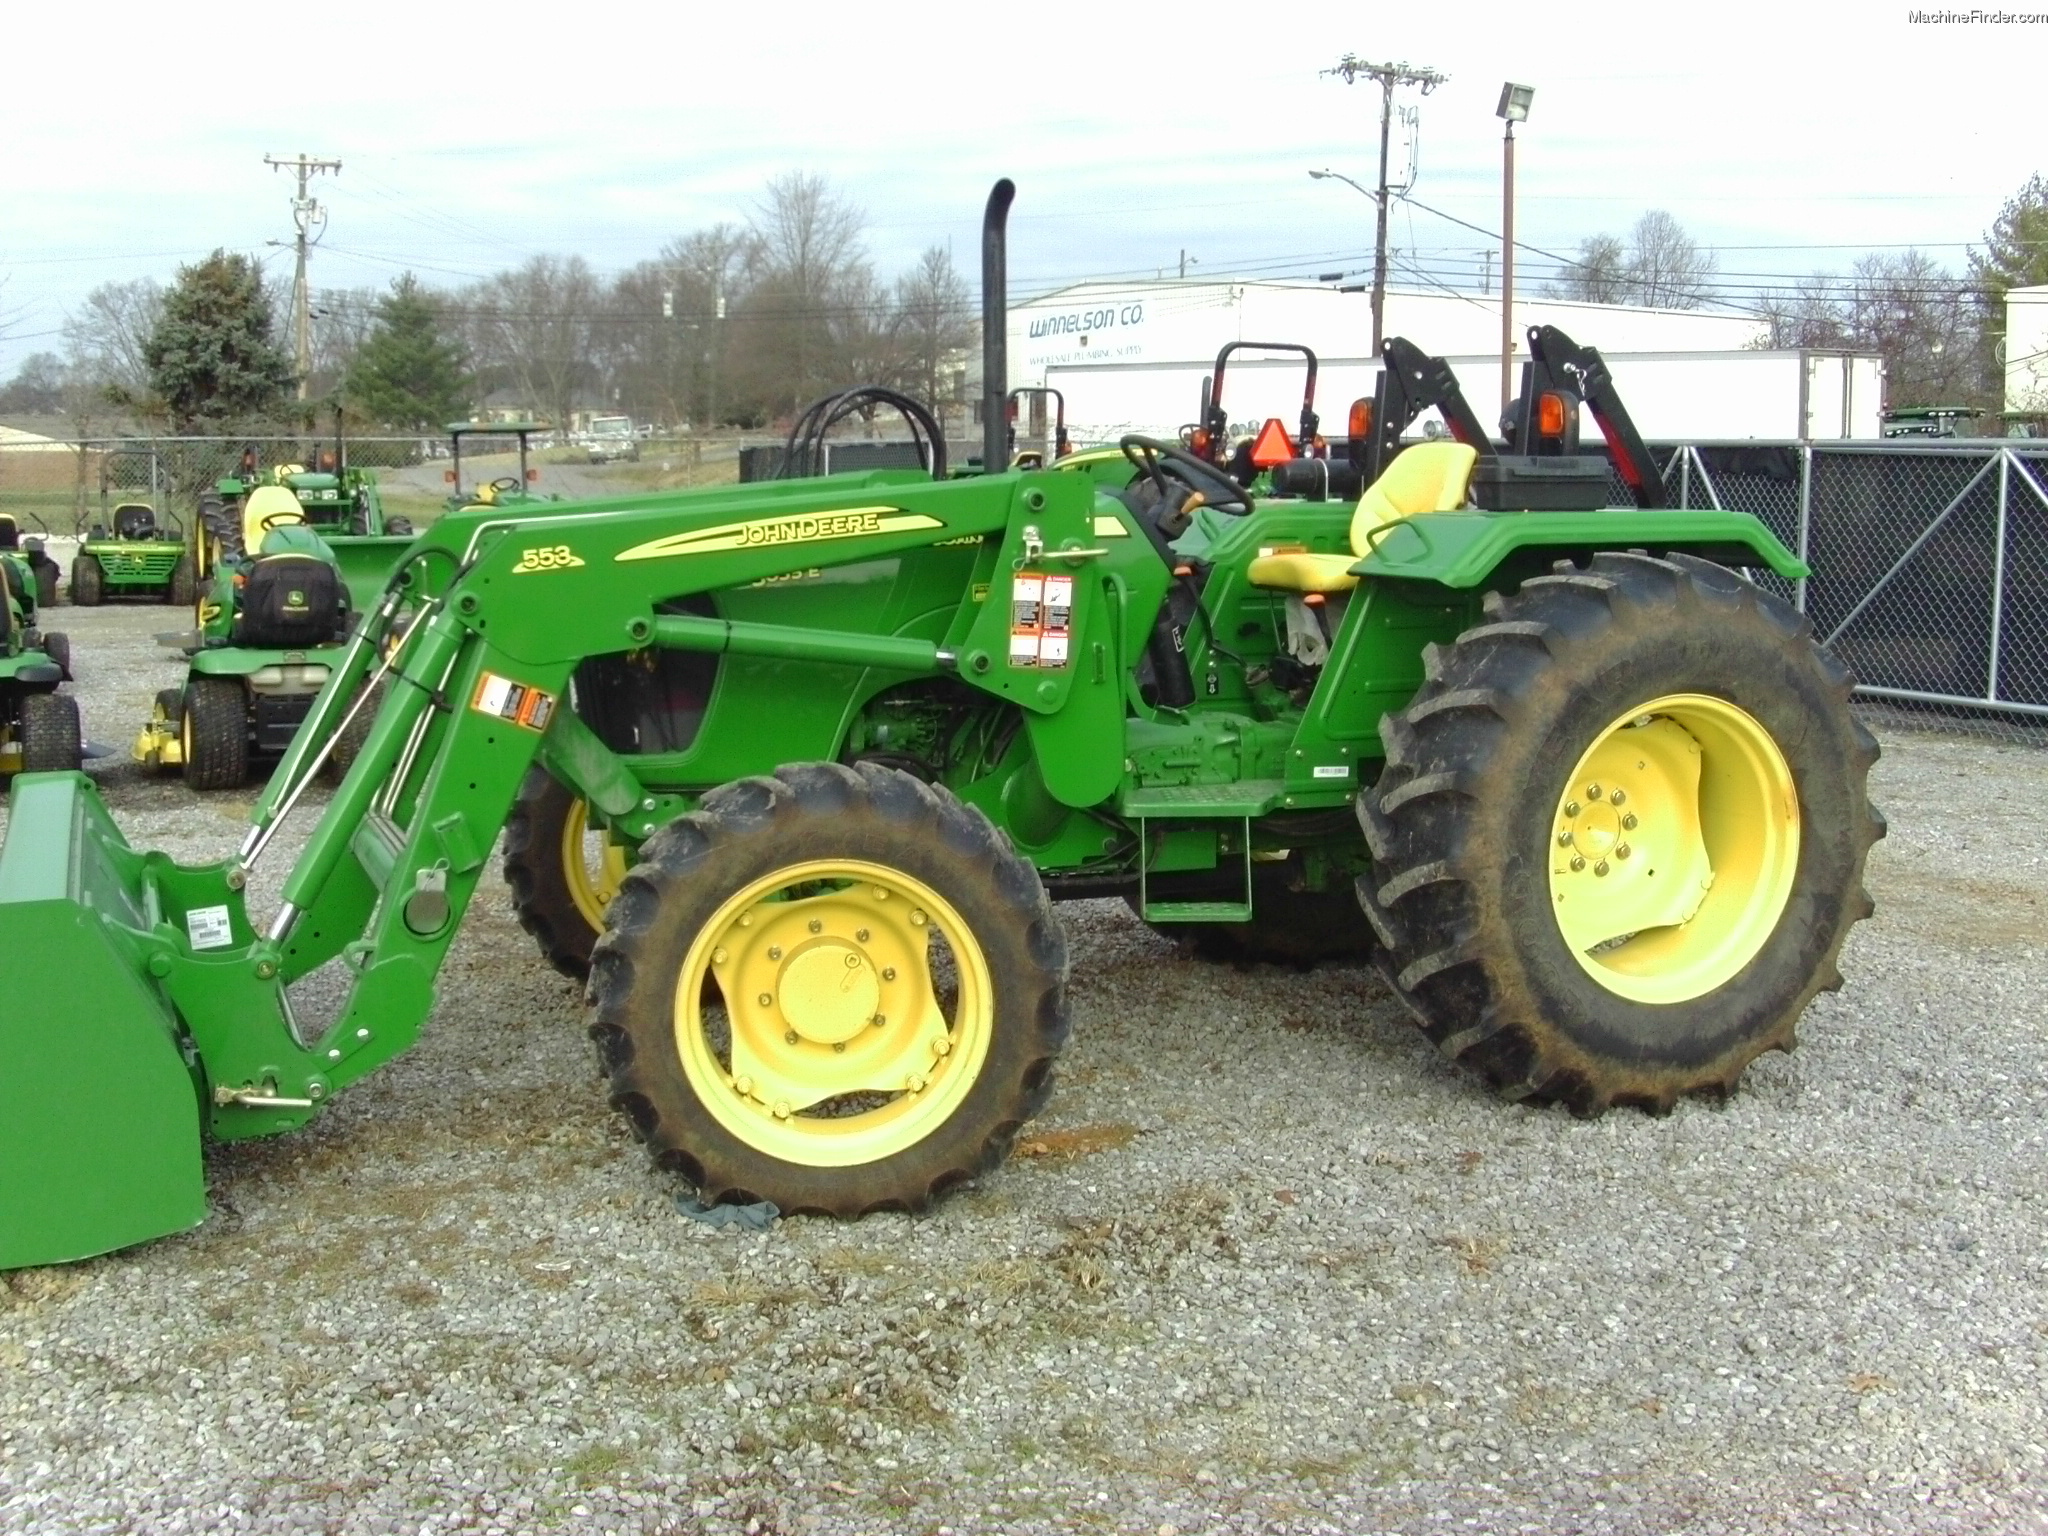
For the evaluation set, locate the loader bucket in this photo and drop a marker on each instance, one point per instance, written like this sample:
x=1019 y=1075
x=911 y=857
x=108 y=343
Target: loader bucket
x=99 y=1113
x=366 y=562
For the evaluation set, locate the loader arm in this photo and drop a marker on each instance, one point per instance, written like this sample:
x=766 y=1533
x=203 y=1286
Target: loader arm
x=486 y=619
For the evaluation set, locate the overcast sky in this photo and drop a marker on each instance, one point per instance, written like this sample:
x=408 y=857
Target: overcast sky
x=1790 y=139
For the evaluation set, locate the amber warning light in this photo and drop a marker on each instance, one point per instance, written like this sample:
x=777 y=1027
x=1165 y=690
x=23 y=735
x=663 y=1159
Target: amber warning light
x=1361 y=419
x=1274 y=446
x=1550 y=414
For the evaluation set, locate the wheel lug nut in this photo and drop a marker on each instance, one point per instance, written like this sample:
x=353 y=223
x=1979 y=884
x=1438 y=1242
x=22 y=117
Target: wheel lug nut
x=943 y=1046
x=782 y=1109
x=1622 y=850
x=1577 y=863
x=879 y=1020
x=718 y=957
x=888 y=973
x=743 y=1085
x=816 y=926
x=1617 y=797
x=767 y=999
x=746 y=919
x=860 y=935
x=917 y=918
x=881 y=893
x=839 y=1046
x=1571 y=807
x=1600 y=868
x=1592 y=791
x=1628 y=822
x=789 y=1037
x=916 y=1084
x=774 y=951
x=1564 y=838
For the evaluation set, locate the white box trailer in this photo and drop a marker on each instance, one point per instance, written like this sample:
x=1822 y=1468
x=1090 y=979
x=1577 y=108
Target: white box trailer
x=1672 y=396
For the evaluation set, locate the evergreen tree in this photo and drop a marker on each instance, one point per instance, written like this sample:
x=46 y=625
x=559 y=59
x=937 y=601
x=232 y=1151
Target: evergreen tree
x=2015 y=251
x=211 y=357
x=407 y=374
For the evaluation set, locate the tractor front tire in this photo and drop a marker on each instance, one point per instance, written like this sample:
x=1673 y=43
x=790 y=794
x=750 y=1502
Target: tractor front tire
x=836 y=989
x=184 y=583
x=51 y=741
x=214 y=731
x=1620 y=835
x=88 y=582
x=559 y=897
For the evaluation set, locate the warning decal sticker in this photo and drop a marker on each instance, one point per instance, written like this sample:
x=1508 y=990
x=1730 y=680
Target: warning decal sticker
x=514 y=703
x=1041 y=618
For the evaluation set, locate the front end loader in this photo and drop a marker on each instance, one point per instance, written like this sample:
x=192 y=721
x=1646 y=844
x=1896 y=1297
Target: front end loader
x=1595 y=802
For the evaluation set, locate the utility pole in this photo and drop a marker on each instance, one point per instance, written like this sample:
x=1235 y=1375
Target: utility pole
x=1389 y=76
x=311 y=220
x=1486 y=271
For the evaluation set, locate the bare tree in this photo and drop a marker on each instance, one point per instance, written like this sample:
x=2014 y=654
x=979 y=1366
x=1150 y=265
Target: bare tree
x=934 y=323
x=108 y=334
x=536 y=325
x=1666 y=267
x=811 y=266
x=1925 y=322
x=1807 y=314
x=342 y=320
x=1599 y=275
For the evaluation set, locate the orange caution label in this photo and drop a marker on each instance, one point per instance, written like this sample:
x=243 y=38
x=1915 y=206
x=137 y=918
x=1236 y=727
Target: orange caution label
x=515 y=703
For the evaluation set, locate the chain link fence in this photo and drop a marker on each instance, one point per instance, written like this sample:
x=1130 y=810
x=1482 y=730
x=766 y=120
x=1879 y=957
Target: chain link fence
x=1930 y=566
x=1930 y=560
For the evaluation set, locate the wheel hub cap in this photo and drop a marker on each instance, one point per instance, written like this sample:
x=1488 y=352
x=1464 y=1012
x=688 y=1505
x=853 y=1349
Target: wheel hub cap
x=829 y=993
x=1673 y=848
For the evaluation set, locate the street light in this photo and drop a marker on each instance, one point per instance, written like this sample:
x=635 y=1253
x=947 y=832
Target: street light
x=1513 y=109
x=1379 y=287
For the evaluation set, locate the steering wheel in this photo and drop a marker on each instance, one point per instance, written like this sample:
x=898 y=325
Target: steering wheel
x=1169 y=463
x=282 y=520
x=505 y=485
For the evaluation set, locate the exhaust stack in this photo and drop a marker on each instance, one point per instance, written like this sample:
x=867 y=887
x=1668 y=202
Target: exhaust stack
x=995 y=329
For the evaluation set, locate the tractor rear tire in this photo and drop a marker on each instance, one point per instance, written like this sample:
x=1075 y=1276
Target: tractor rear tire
x=57 y=646
x=559 y=899
x=1531 y=941
x=867 y=877
x=215 y=733
x=51 y=741
x=1297 y=928
x=46 y=582
x=184 y=583
x=88 y=582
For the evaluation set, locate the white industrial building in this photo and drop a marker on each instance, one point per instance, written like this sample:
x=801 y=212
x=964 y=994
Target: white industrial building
x=2026 y=351
x=1131 y=357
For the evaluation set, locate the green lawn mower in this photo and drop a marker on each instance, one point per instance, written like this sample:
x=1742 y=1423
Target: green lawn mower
x=39 y=726
x=270 y=632
x=132 y=551
x=1595 y=801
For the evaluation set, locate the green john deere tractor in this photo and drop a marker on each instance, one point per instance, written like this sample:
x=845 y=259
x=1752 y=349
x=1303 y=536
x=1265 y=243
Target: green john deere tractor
x=1599 y=800
x=494 y=490
x=341 y=502
x=270 y=631
x=39 y=728
x=132 y=549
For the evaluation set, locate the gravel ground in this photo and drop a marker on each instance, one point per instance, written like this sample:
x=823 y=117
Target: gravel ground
x=1268 y=1266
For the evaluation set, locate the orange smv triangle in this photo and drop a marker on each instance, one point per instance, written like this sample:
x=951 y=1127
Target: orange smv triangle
x=1273 y=446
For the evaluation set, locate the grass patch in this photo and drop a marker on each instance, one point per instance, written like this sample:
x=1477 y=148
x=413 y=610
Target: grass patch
x=596 y=1464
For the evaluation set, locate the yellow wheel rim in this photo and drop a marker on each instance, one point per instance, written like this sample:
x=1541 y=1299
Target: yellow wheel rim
x=1673 y=848
x=592 y=864
x=185 y=732
x=849 y=1015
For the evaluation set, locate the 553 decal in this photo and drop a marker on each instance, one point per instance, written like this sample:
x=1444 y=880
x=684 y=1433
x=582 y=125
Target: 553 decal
x=549 y=557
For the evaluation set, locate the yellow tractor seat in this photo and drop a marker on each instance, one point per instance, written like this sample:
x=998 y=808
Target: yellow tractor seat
x=1429 y=477
x=273 y=504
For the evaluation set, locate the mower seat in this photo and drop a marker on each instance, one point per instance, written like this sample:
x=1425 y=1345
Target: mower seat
x=1429 y=477
x=272 y=504
x=293 y=599
x=133 y=520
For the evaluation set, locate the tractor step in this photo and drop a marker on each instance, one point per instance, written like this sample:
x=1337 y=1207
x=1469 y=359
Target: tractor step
x=1198 y=912
x=1232 y=801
